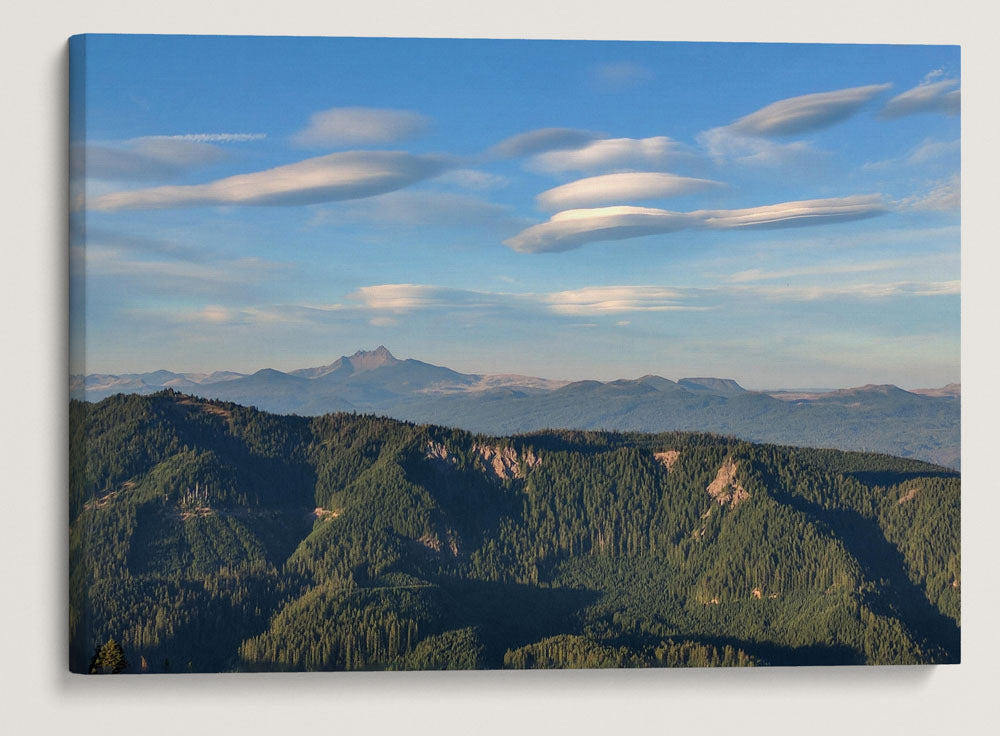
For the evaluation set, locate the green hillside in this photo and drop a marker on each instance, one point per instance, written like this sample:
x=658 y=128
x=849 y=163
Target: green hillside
x=207 y=536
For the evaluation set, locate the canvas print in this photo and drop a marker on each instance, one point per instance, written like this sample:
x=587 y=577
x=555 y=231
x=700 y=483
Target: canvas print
x=409 y=354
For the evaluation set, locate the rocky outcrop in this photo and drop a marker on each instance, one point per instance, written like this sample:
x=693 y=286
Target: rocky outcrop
x=667 y=457
x=725 y=489
x=438 y=454
x=505 y=463
x=496 y=462
x=435 y=544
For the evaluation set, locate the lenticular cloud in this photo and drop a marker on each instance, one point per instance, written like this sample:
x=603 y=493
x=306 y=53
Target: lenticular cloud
x=338 y=176
x=618 y=187
x=573 y=228
x=807 y=112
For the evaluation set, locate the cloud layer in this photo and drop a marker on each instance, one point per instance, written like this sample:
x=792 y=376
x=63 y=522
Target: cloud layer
x=360 y=126
x=938 y=97
x=573 y=228
x=337 y=176
x=610 y=188
x=620 y=299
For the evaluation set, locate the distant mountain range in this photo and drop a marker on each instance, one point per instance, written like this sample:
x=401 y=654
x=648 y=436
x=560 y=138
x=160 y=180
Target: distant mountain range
x=922 y=424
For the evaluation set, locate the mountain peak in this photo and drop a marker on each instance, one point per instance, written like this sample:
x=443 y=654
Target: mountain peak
x=367 y=360
x=380 y=353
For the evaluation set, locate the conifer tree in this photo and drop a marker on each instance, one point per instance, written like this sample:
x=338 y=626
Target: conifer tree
x=109 y=658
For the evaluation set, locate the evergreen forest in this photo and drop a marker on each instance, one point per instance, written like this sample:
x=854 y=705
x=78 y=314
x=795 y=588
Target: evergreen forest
x=206 y=536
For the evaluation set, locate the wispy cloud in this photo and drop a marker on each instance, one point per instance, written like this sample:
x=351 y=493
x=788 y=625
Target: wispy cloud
x=748 y=140
x=104 y=261
x=140 y=245
x=726 y=145
x=942 y=196
x=830 y=269
x=141 y=159
x=795 y=214
x=608 y=154
x=544 y=139
x=337 y=176
x=211 y=137
x=573 y=228
x=804 y=114
x=610 y=188
x=390 y=304
x=401 y=298
x=856 y=291
x=620 y=75
x=422 y=208
x=939 y=97
x=929 y=150
x=473 y=179
x=594 y=300
x=360 y=126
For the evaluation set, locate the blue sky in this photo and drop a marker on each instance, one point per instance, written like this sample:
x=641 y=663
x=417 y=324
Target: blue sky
x=785 y=215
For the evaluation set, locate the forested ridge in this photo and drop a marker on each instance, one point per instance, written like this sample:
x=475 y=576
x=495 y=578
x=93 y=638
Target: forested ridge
x=208 y=536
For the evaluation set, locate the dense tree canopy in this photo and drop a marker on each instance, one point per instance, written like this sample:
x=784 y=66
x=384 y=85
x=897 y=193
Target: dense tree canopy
x=216 y=537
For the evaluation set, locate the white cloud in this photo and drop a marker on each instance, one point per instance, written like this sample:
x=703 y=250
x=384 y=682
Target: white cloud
x=806 y=113
x=542 y=140
x=943 y=196
x=408 y=297
x=609 y=154
x=610 y=188
x=938 y=97
x=337 y=176
x=573 y=228
x=594 y=300
x=360 y=125
x=793 y=214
